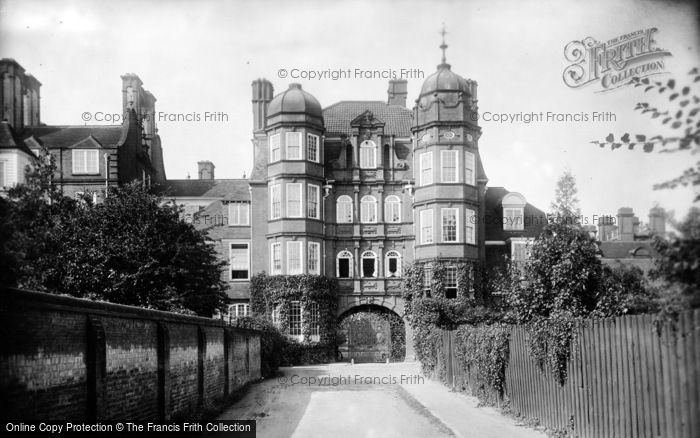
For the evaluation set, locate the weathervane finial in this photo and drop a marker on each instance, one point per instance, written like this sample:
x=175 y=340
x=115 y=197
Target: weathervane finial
x=443 y=46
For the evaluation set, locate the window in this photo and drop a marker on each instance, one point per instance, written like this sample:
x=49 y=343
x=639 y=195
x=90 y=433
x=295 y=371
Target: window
x=368 y=209
x=426 y=226
x=344 y=209
x=520 y=250
x=239 y=261
x=294 y=253
x=469 y=168
x=313 y=321
x=86 y=162
x=392 y=209
x=426 y=168
x=312 y=200
x=276 y=316
x=448 y=160
x=295 y=318
x=449 y=224
x=369 y=264
x=312 y=148
x=294 y=200
x=427 y=277
x=513 y=219
x=451 y=282
x=276 y=258
x=238 y=213
x=314 y=251
x=368 y=155
x=294 y=145
x=344 y=265
x=393 y=264
x=238 y=310
x=275 y=202
x=274 y=148
x=470 y=226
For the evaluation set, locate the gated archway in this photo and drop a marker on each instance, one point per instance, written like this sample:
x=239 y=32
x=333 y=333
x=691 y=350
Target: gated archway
x=371 y=333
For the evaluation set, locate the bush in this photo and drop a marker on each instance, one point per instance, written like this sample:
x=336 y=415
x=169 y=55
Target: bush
x=273 y=343
x=484 y=348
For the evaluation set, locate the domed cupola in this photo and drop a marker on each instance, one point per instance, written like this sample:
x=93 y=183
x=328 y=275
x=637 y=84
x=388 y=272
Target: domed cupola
x=444 y=80
x=294 y=105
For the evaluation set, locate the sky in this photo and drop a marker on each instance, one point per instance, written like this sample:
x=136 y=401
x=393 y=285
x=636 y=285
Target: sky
x=198 y=57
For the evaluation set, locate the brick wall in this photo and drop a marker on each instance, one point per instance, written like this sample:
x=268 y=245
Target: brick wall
x=64 y=358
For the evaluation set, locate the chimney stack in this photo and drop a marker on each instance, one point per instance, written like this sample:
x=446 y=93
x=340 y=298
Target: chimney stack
x=262 y=95
x=206 y=169
x=625 y=223
x=398 y=91
x=657 y=220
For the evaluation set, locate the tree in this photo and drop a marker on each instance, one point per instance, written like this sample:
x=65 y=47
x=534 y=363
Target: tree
x=130 y=249
x=566 y=203
x=682 y=117
x=679 y=262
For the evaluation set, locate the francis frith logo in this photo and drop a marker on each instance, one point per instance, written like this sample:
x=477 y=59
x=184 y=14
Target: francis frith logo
x=614 y=63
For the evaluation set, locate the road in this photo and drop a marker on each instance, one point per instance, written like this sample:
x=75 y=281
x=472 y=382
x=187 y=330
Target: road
x=365 y=400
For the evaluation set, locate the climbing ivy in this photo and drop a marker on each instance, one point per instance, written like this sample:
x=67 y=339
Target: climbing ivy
x=278 y=291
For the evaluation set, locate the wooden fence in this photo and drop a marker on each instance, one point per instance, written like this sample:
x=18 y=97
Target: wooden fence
x=625 y=379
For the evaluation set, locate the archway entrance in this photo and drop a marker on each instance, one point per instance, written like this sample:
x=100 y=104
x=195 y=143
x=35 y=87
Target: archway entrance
x=370 y=333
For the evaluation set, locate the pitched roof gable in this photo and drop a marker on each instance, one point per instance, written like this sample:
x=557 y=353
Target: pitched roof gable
x=338 y=117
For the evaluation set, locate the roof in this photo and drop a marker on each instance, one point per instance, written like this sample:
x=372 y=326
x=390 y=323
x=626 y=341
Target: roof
x=294 y=100
x=444 y=79
x=620 y=249
x=10 y=140
x=108 y=136
x=534 y=218
x=226 y=189
x=397 y=119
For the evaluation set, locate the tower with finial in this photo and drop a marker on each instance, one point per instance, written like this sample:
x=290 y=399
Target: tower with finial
x=450 y=181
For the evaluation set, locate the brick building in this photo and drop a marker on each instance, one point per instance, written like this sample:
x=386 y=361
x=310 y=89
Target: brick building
x=88 y=157
x=359 y=190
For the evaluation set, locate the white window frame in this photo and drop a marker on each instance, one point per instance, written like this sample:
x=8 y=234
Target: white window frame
x=314 y=258
x=313 y=200
x=451 y=275
x=300 y=151
x=294 y=329
x=240 y=310
x=455 y=165
x=426 y=168
x=290 y=211
x=314 y=321
x=340 y=216
x=368 y=209
x=351 y=268
x=392 y=202
x=275 y=147
x=369 y=255
x=470 y=226
x=513 y=224
x=469 y=168
x=313 y=143
x=443 y=216
x=427 y=277
x=525 y=242
x=275 y=204
x=368 y=155
x=276 y=258
x=238 y=214
x=86 y=168
x=231 y=243
x=393 y=254
x=293 y=270
x=426 y=227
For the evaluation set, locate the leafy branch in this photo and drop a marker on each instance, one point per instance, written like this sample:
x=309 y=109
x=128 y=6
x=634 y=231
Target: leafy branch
x=682 y=116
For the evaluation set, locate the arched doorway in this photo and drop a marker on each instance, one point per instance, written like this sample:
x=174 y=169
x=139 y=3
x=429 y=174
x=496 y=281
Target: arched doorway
x=371 y=333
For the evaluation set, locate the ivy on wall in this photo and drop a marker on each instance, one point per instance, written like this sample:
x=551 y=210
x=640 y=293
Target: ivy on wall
x=278 y=291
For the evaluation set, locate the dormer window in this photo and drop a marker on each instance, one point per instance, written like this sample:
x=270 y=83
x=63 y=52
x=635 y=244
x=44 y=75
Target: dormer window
x=86 y=162
x=513 y=212
x=368 y=155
